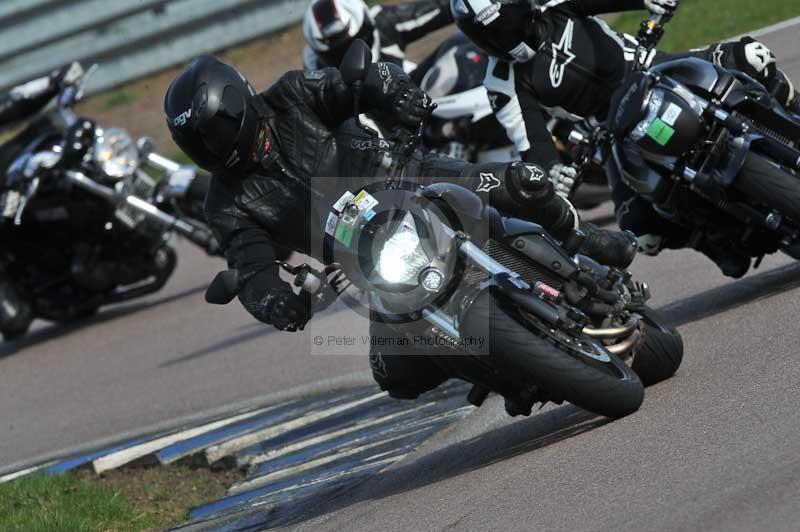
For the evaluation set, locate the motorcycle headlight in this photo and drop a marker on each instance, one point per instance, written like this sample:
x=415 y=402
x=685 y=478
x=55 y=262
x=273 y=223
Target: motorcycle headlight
x=402 y=258
x=115 y=153
x=654 y=101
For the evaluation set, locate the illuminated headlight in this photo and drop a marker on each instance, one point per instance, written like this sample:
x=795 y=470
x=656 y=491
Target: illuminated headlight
x=402 y=257
x=115 y=153
x=654 y=102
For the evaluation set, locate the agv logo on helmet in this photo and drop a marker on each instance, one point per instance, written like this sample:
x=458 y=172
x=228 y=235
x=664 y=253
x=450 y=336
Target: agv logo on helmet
x=182 y=118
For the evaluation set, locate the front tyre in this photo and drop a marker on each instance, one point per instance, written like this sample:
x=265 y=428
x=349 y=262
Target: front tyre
x=769 y=184
x=570 y=368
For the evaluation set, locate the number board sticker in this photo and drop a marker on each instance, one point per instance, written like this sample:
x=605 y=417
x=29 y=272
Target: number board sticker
x=671 y=115
x=365 y=201
x=341 y=202
x=660 y=132
x=369 y=215
x=330 y=225
x=344 y=233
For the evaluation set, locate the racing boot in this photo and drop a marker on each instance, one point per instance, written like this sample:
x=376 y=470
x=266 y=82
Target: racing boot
x=611 y=248
x=559 y=217
x=731 y=263
x=16 y=312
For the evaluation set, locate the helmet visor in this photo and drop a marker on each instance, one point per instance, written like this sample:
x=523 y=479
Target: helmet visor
x=221 y=131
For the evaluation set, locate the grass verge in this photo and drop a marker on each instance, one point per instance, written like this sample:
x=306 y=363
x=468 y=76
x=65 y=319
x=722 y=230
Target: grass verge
x=118 y=97
x=700 y=22
x=130 y=500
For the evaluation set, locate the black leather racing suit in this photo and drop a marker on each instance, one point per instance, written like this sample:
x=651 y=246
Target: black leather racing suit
x=577 y=64
x=396 y=26
x=271 y=205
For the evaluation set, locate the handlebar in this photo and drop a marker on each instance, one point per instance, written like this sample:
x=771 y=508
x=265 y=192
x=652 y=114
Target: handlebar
x=323 y=286
x=650 y=33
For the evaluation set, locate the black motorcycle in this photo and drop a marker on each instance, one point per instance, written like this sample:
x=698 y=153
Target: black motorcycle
x=82 y=223
x=712 y=150
x=436 y=263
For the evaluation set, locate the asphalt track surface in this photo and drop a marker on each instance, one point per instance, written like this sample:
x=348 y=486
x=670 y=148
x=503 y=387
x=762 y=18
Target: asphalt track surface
x=715 y=448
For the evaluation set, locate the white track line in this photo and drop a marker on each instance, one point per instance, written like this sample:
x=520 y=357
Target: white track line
x=326 y=478
x=124 y=456
x=216 y=452
x=302 y=444
x=772 y=29
x=407 y=429
x=23 y=472
x=257 y=482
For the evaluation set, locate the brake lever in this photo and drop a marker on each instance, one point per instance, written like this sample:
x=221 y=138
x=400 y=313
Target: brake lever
x=650 y=33
x=23 y=202
x=316 y=284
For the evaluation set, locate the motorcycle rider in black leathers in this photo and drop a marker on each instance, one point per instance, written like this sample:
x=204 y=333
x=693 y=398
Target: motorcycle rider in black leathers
x=555 y=58
x=330 y=26
x=18 y=104
x=264 y=150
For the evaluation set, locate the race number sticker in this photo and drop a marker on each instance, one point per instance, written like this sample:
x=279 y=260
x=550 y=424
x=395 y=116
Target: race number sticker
x=341 y=202
x=671 y=115
x=330 y=225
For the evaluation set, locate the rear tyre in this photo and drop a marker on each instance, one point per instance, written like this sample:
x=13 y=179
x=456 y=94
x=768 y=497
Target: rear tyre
x=769 y=184
x=521 y=347
x=10 y=336
x=660 y=352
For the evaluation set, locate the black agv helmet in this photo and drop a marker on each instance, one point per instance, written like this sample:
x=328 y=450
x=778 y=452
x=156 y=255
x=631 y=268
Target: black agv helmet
x=499 y=27
x=212 y=115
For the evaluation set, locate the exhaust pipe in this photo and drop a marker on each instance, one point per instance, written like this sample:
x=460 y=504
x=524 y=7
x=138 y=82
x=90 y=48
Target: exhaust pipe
x=613 y=333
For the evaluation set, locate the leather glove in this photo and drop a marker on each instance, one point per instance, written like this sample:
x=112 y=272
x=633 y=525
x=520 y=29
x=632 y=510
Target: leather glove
x=755 y=59
x=563 y=178
x=290 y=312
x=661 y=7
x=411 y=106
x=528 y=179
